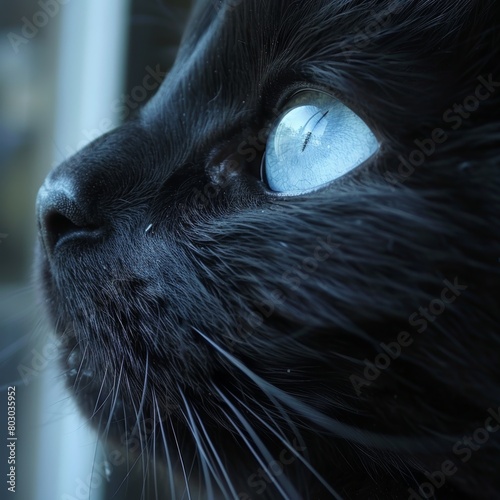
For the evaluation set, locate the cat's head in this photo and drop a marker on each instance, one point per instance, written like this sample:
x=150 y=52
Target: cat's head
x=288 y=260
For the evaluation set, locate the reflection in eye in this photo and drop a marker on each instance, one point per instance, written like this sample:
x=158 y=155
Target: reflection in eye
x=317 y=140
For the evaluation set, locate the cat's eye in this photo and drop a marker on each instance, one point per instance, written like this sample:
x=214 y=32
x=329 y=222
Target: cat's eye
x=316 y=140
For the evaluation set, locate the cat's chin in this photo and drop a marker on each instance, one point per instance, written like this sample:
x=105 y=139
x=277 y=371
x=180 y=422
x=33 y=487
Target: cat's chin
x=101 y=394
x=106 y=386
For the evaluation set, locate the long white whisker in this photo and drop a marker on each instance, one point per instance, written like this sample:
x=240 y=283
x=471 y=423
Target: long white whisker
x=344 y=431
x=97 y=408
x=116 y=391
x=291 y=449
x=167 y=452
x=285 y=483
x=143 y=455
x=204 y=460
x=186 y=478
x=217 y=458
x=155 y=475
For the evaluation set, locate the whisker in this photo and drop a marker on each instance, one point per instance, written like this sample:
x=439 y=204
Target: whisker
x=206 y=456
x=155 y=475
x=78 y=379
x=116 y=392
x=129 y=472
x=204 y=461
x=167 y=452
x=290 y=448
x=217 y=458
x=292 y=492
x=186 y=478
x=143 y=444
x=344 y=431
x=96 y=408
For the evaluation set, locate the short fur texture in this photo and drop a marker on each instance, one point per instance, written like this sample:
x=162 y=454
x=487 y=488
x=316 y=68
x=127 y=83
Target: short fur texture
x=253 y=332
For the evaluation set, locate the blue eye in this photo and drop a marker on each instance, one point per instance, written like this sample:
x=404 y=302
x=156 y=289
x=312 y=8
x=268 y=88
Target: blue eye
x=315 y=141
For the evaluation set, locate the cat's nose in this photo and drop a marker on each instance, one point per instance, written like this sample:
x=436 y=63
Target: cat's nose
x=62 y=215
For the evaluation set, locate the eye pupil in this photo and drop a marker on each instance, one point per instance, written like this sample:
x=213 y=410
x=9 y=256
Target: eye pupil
x=305 y=152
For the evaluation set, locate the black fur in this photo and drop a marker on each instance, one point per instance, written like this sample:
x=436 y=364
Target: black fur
x=241 y=323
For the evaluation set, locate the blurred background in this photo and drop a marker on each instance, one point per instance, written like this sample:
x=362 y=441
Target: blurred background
x=70 y=70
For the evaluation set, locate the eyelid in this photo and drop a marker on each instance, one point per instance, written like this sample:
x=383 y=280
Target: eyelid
x=278 y=103
x=277 y=107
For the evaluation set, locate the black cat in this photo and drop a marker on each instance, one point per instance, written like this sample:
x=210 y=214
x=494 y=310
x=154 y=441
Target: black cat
x=282 y=275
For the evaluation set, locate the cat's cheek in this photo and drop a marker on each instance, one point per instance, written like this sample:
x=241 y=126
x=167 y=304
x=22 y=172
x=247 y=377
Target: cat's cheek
x=293 y=282
x=248 y=153
x=322 y=255
x=419 y=323
x=264 y=134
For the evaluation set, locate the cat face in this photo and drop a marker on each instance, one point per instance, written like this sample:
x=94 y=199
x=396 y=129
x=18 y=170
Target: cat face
x=287 y=261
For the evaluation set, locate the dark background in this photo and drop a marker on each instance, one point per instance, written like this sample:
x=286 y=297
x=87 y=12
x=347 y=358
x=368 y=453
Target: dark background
x=36 y=101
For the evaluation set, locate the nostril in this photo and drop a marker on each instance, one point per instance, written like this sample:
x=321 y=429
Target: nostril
x=56 y=226
x=60 y=217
